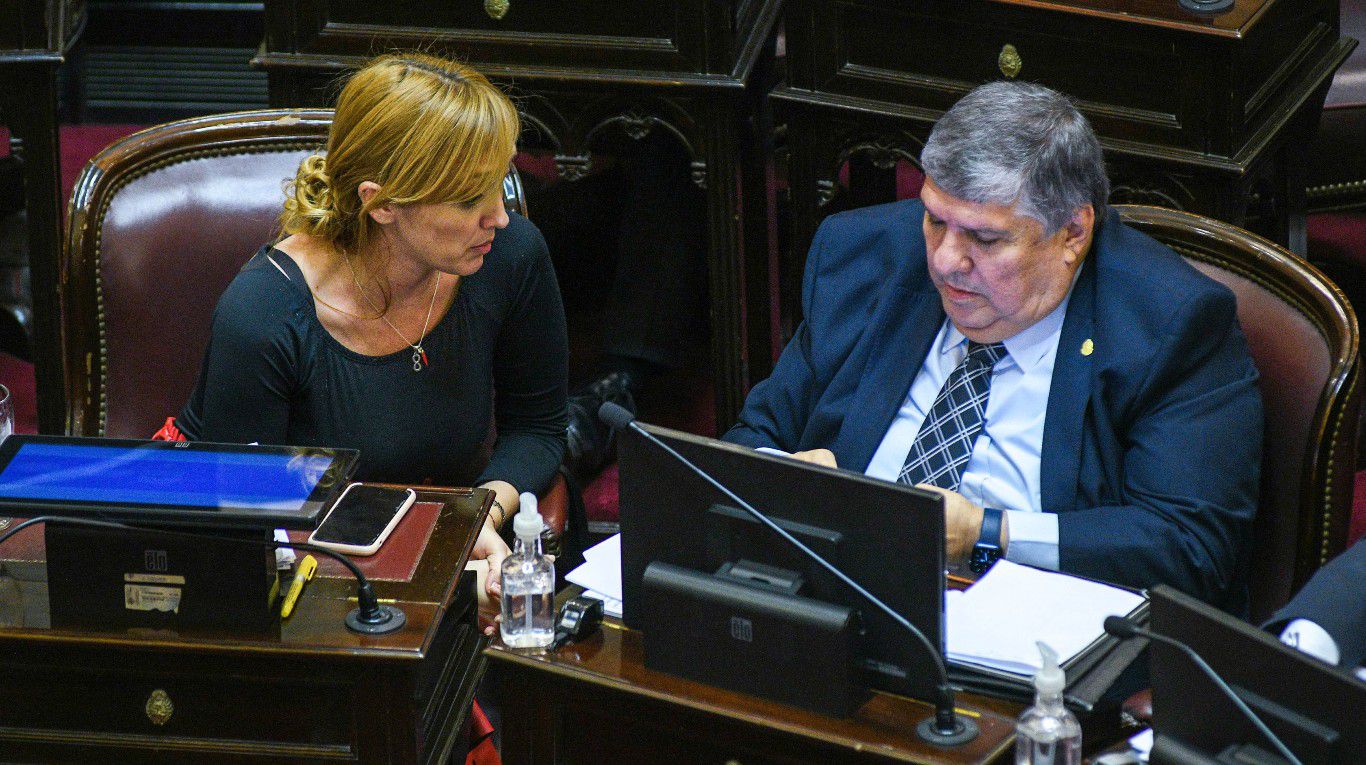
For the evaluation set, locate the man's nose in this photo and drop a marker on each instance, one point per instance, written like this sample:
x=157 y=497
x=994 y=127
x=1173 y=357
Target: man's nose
x=951 y=255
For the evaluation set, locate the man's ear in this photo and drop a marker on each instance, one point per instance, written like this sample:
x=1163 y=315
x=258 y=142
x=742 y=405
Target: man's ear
x=384 y=214
x=1077 y=232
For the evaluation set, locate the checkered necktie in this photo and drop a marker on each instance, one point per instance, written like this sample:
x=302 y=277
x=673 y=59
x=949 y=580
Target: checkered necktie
x=943 y=446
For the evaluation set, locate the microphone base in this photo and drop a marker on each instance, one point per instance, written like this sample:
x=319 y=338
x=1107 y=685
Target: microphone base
x=392 y=621
x=1206 y=6
x=964 y=731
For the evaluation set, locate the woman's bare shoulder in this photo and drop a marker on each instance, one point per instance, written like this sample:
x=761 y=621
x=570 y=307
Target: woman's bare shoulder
x=311 y=255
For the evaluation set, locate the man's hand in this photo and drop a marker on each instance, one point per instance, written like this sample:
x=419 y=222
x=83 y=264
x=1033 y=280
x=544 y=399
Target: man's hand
x=817 y=457
x=962 y=524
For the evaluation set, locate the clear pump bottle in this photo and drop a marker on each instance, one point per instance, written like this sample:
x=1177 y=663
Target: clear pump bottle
x=1047 y=733
x=528 y=583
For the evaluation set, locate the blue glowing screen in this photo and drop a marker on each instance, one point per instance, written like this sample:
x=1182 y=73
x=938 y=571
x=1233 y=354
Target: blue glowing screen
x=168 y=477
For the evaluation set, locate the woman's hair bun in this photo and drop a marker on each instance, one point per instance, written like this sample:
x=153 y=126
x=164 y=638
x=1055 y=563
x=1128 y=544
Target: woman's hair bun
x=309 y=205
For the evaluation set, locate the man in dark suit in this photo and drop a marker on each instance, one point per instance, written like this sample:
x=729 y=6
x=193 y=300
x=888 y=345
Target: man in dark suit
x=1082 y=397
x=1327 y=617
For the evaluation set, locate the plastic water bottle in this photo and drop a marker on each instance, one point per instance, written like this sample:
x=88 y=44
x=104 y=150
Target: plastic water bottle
x=1047 y=733
x=528 y=584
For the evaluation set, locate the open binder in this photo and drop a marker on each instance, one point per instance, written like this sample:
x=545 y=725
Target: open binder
x=1091 y=668
x=1089 y=674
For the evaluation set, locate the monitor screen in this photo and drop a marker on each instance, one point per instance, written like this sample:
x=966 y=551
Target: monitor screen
x=887 y=537
x=1316 y=710
x=214 y=484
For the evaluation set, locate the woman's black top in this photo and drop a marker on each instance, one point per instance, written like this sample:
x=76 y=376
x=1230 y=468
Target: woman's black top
x=273 y=374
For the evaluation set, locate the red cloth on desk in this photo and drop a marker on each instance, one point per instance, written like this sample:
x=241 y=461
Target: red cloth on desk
x=481 y=751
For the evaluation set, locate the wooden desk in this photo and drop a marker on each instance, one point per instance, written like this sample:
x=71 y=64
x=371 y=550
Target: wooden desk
x=582 y=71
x=1206 y=114
x=308 y=691
x=35 y=38
x=596 y=702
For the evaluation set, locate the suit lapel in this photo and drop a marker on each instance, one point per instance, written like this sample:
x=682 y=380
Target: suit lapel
x=1060 y=458
x=903 y=329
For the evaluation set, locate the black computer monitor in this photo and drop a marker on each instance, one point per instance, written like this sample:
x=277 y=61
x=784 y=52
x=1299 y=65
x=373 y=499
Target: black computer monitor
x=1317 y=710
x=887 y=537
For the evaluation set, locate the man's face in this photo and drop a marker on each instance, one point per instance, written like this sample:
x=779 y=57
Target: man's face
x=996 y=271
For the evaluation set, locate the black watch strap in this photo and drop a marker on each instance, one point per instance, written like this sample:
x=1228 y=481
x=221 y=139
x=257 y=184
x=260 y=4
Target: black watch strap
x=988 y=548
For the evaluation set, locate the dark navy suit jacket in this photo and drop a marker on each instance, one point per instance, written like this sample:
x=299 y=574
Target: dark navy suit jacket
x=1152 y=442
x=1335 y=599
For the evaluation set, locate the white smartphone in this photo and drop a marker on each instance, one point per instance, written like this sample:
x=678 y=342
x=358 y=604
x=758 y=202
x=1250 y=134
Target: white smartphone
x=362 y=518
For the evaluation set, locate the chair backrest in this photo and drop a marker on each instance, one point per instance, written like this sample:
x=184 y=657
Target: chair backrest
x=159 y=223
x=1303 y=336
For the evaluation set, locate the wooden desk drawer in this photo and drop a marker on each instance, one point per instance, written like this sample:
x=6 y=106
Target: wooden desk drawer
x=1168 y=80
x=555 y=17
x=537 y=34
x=930 y=54
x=213 y=707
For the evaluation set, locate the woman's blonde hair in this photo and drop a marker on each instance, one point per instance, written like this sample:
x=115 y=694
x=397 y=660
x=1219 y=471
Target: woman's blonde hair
x=426 y=129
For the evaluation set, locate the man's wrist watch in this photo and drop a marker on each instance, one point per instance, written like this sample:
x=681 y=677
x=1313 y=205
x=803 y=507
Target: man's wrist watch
x=988 y=548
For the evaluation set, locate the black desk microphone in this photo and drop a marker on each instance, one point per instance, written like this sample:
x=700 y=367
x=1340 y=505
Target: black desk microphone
x=1124 y=629
x=946 y=728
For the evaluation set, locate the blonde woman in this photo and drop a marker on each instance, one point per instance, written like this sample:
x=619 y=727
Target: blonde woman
x=405 y=310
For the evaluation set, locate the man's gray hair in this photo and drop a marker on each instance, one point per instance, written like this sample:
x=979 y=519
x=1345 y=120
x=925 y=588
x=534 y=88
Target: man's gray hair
x=1009 y=142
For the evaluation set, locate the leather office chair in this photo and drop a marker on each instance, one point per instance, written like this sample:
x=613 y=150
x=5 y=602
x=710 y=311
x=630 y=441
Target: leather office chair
x=158 y=225
x=1304 y=339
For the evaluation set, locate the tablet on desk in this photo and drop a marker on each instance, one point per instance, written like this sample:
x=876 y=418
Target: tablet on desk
x=191 y=483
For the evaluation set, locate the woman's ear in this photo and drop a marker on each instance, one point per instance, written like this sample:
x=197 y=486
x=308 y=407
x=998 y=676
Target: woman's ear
x=384 y=214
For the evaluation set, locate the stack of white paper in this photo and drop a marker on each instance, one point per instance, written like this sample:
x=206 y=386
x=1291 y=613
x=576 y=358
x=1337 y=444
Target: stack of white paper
x=600 y=575
x=995 y=622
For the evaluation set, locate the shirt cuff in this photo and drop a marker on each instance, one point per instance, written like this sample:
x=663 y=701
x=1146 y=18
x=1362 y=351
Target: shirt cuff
x=1033 y=538
x=1312 y=639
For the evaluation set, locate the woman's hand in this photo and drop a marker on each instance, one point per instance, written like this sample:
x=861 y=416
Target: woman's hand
x=491 y=549
x=490 y=545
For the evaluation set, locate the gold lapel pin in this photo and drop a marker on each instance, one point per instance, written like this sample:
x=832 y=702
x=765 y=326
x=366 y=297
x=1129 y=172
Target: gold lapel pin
x=1088 y=347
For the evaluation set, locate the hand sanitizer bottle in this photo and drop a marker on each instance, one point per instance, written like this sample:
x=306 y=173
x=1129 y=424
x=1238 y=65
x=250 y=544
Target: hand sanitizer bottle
x=528 y=584
x=1047 y=733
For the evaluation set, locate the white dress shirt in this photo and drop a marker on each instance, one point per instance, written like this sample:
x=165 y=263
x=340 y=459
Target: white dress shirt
x=1003 y=471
